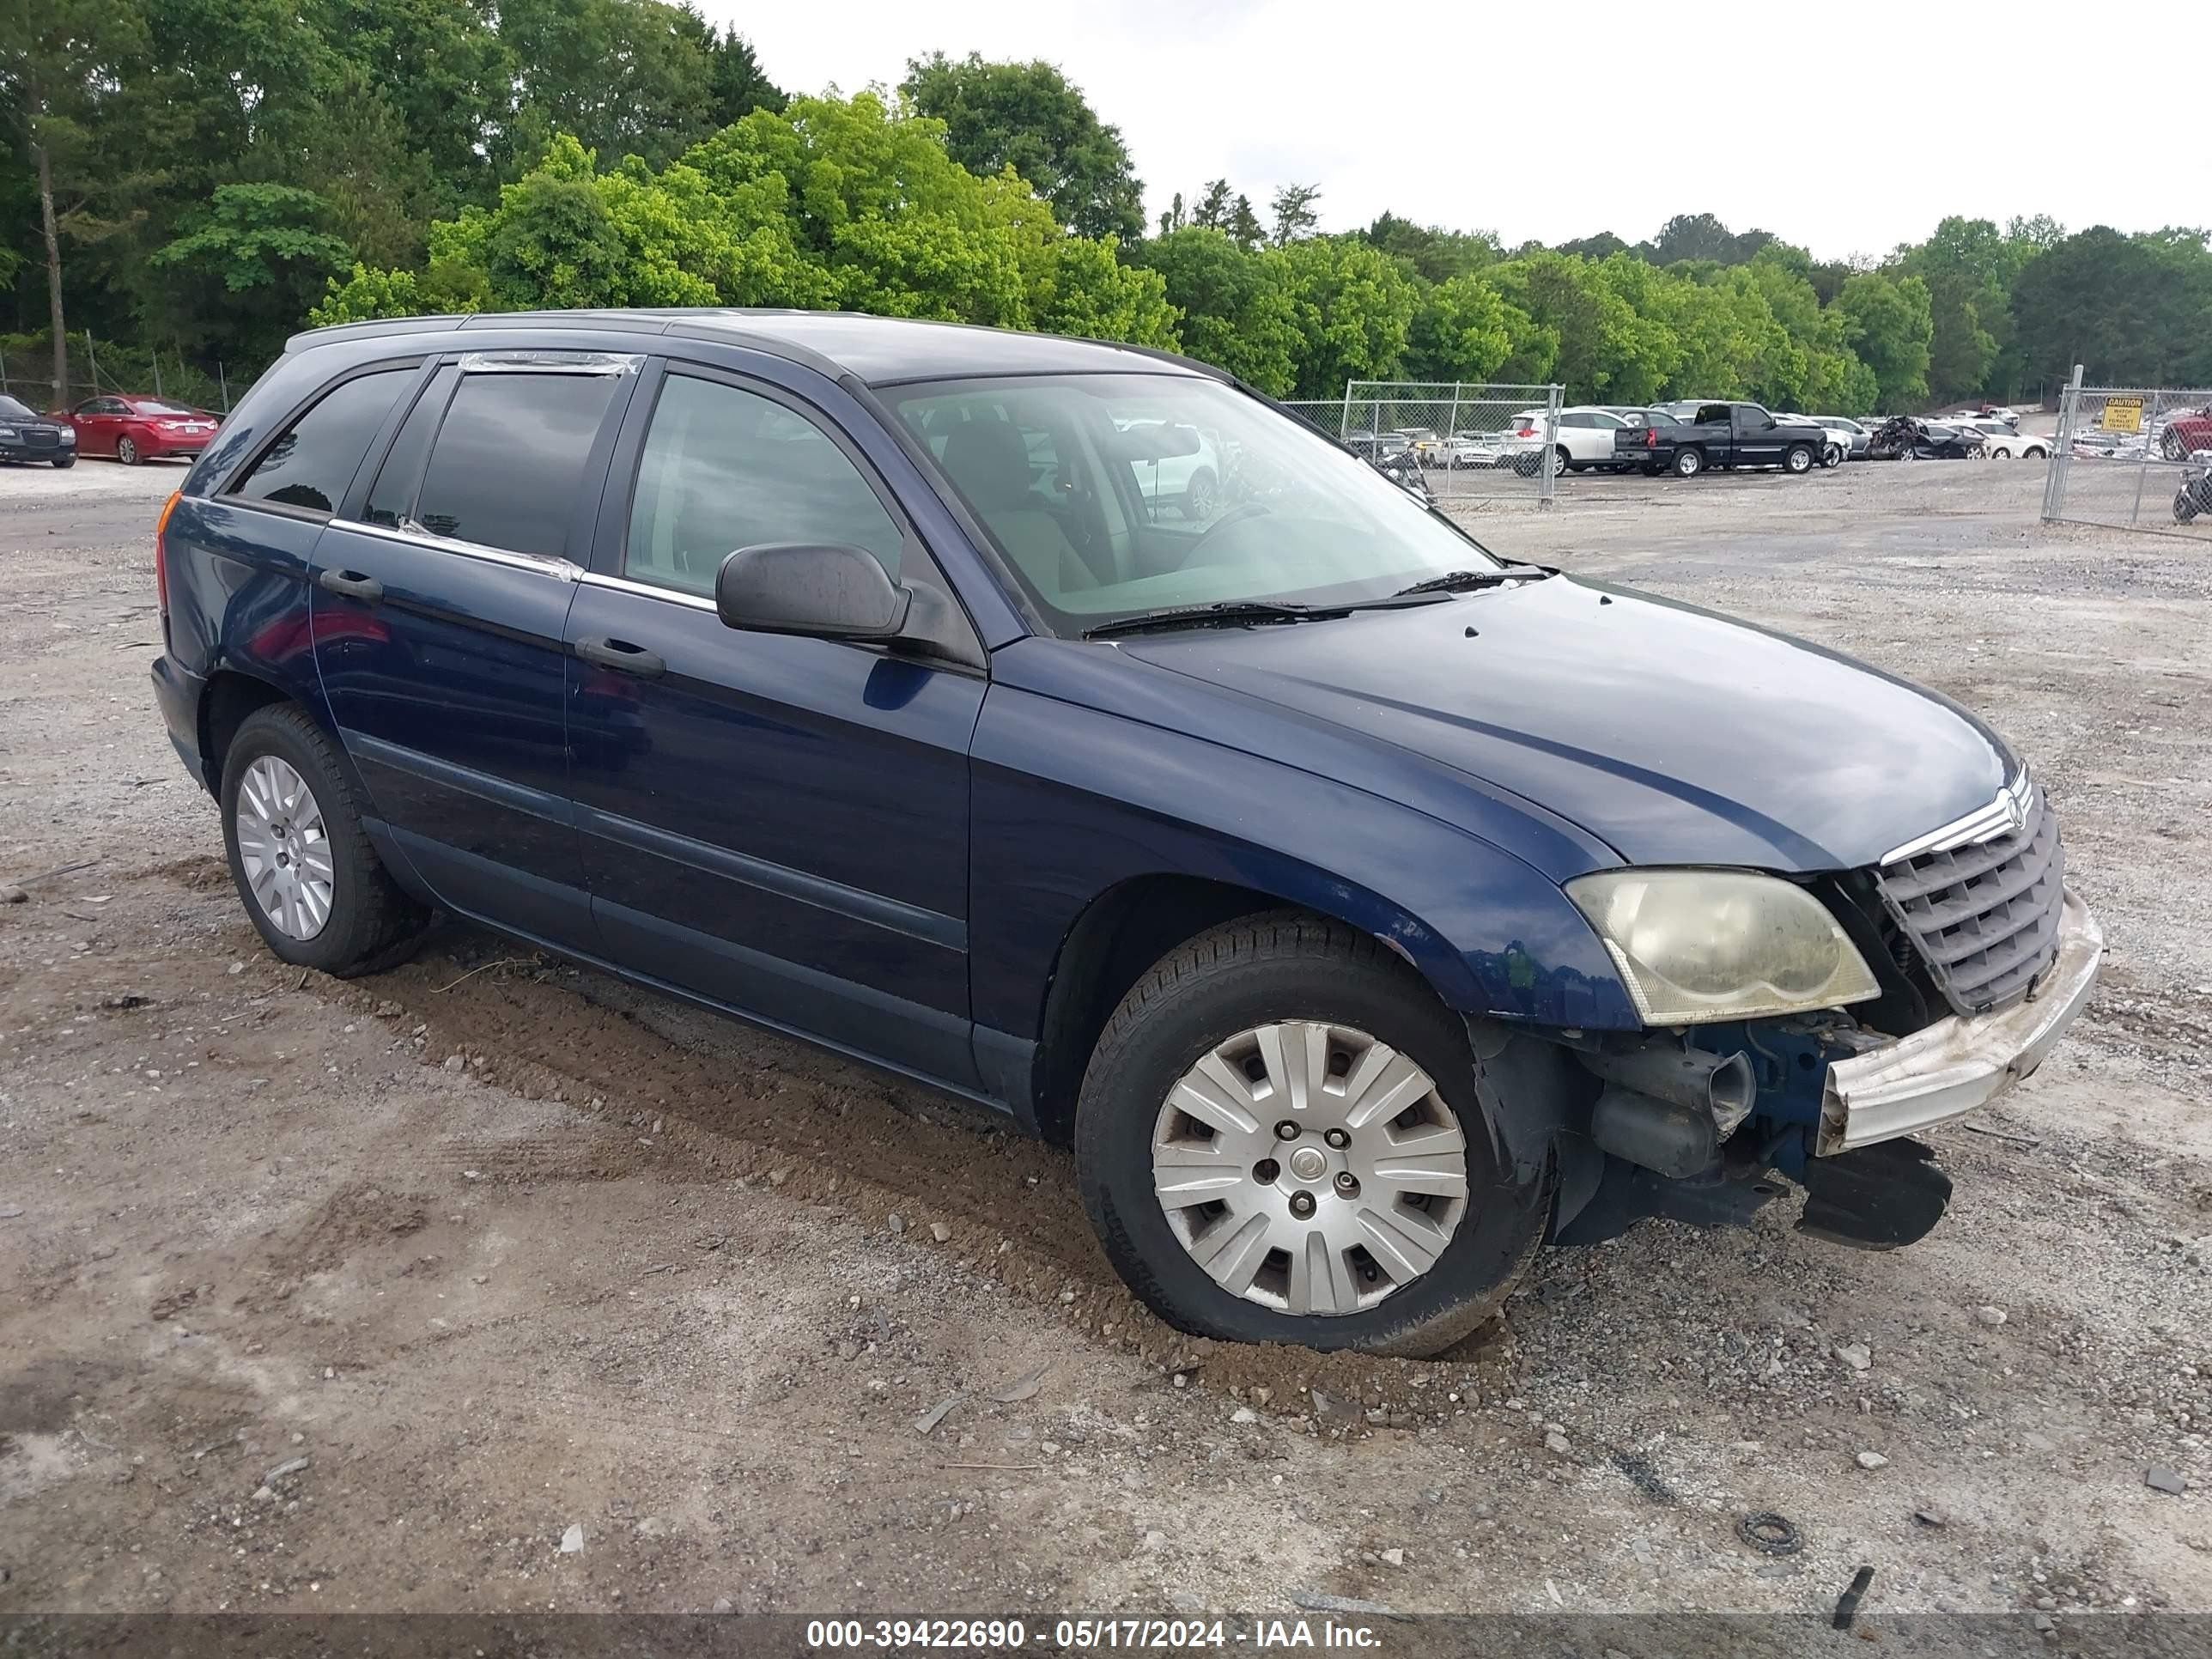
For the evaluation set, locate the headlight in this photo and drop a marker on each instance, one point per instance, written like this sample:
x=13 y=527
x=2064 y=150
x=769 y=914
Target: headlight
x=1694 y=945
x=9 y=432
x=68 y=435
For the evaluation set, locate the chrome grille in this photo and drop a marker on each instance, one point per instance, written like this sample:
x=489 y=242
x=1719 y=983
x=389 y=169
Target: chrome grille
x=1984 y=916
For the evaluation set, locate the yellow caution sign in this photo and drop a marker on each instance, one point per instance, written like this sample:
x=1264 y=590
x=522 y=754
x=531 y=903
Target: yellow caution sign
x=2122 y=414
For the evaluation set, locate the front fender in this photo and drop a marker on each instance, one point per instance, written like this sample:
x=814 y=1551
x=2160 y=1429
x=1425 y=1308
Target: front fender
x=1069 y=801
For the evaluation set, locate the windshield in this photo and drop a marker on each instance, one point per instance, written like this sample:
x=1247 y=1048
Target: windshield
x=10 y=409
x=1113 y=495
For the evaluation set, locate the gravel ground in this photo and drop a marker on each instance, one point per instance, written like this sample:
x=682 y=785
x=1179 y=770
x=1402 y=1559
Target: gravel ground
x=367 y=1297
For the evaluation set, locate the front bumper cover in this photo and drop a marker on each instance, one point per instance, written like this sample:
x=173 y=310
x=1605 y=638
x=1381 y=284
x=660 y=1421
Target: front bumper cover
x=1959 y=1064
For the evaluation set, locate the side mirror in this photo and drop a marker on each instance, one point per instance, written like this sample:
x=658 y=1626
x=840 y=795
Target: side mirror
x=825 y=591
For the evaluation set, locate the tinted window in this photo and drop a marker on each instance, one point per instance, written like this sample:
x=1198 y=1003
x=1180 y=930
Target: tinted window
x=510 y=457
x=1751 y=415
x=1713 y=414
x=391 y=497
x=313 y=462
x=1577 y=420
x=725 y=469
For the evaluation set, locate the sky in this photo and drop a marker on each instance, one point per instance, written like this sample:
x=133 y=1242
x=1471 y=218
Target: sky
x=1845 y=126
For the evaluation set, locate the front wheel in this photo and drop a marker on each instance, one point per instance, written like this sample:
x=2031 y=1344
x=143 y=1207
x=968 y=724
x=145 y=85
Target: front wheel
x=1280 y=1140
x=61 y=462
x=1799 y=459
x=1688 y=463
x=311 y=882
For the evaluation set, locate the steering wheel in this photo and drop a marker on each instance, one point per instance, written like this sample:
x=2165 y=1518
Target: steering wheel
x=1242 y=510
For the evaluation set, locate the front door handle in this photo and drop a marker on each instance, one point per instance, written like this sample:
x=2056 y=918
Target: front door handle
x=353 y=585
x=623 y=657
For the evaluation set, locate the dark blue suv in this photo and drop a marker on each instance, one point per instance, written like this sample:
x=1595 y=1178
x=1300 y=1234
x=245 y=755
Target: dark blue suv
x=1069 y=727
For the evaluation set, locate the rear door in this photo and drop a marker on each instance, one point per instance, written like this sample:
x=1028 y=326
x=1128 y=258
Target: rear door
x=439 y=603
x=778 y=824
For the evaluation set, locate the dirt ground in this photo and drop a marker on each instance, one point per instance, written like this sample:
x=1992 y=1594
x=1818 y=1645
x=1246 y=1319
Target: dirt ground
x=363 y=1297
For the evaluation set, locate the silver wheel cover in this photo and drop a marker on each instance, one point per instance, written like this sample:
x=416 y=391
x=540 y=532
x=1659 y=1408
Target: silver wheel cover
x=1247 y=1166
x=284 y=849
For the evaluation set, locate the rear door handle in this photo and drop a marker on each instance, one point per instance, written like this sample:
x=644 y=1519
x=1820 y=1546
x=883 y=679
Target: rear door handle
x=623 y=657
x=353 y=585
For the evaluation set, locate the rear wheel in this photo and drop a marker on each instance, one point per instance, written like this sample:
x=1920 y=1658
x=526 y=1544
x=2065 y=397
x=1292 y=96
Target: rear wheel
x=311 y=881
x=1200 y=497
x=127 y=451
x=1280 y=1140
x=1688 y=463
x=1831 y=455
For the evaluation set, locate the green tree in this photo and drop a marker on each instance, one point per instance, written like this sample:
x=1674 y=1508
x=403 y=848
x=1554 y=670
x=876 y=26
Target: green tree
x=624 y=77
x=1465 y=329
x=1236 y=303
x=736 y=83
x=1888 y=324
x=2135 y=310
x=1355 y=312
x=64 y=69
x=1435 y=255
x=254 y=259
x=1030 y=117
x=1296 y=216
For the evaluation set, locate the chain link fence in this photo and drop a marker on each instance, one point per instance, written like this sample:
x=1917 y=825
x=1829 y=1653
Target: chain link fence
x=27 y=373
x=2138 y=458
x=1467 y=441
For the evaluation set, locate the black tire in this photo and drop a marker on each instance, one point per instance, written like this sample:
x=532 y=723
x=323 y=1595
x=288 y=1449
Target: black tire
x=372 y=925
x=1562 y=463
x=1689 y=462
x=1200 y=496
x=1652 y=471
x=1798 y=460
x=1831 y=455
x=2184 y=509
x=1287 y=965
x=2035 y=452
x=127 y=451
x=63 y=463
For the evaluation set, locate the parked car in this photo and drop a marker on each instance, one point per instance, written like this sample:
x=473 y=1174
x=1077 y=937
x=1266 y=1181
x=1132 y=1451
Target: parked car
x=27 y=435
x=2001 y=440
x=134 y=430
x=1186 y=474
x=1582 y=438
x=1905 y=438
x=1835 y=448
x=1725 y=436
x=1855 y=434
x=1366 y=908
x=2185 y=433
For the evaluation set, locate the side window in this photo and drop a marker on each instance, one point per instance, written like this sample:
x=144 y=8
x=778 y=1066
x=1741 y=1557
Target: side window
x=1575 y=420
x=509 y=459
x=311 y=465
x=391 y=497
x=1750 y=417
x=724 y=469
x=1713 y=414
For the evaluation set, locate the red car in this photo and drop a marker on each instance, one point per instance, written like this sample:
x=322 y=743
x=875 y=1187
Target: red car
x=2186 y=432
x=135 y=429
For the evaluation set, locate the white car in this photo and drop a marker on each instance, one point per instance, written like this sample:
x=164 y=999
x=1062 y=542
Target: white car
x=1999 y=442
x=1191 y=481
x=1838 y=449
x=1585 y=439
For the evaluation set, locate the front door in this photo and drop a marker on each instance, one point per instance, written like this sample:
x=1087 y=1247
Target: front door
x=438 y=611
x=776 y=823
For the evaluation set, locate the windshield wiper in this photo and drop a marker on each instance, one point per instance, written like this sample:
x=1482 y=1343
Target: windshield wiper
x=1229 y=612
x=1455 y=581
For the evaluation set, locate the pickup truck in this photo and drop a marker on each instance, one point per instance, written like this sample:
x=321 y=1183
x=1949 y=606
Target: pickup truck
x=1721 y=435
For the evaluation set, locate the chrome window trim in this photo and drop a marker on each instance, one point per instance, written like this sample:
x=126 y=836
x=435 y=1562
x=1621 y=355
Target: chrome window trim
x=531 y=360
x=648 y=590
x=415 y=535
x=2005 y=815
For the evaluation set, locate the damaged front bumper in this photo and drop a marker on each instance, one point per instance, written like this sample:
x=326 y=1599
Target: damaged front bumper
x=1959 y=1064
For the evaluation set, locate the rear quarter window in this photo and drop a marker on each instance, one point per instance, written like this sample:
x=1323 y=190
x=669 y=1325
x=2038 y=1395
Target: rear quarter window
x=310 y=465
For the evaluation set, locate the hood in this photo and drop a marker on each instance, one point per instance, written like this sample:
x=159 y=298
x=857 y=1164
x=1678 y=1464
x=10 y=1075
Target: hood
x=1674 y=735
